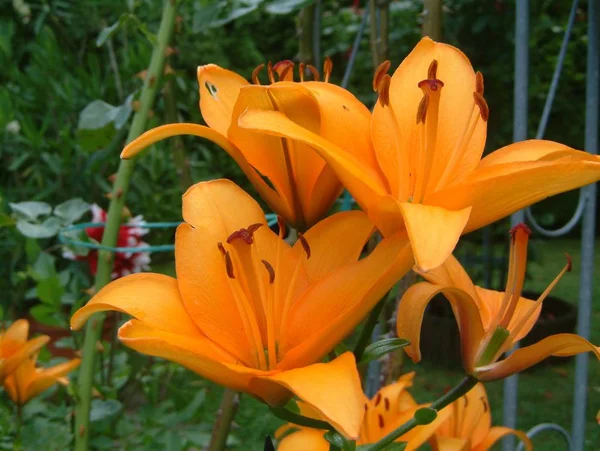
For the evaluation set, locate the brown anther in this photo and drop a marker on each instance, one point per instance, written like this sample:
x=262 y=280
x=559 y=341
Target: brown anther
x=380 y=72
x=521 y=226
x=301 y=68
x=432 y=71
x=245 y=234
x=270 y=270
x=569 y=262
x=304 y=244
x=270 y=72
x=283 y=68
x=422 y=109
x=381 y=423
x=383 y=89
x=484 y=110
x=386 y=403
x=255 y=73
x=378 y=399
x=281 y=225
x=327 y=68
x=484 y=402
x=479 y=82
x=228 y=261
x=313 y=70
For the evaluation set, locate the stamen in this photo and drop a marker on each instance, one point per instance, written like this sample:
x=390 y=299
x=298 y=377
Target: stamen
x=247 y=235
x=479 y=83
x=422 y=109
x=484 y=110
x=270 y=270
x=327 y=68
x=270 y=72
x=304 y=244
x=383 y=89
x=283 y=68
x=281 y=225
x=314 y=72
x=301 y=68
x=379 y=73
x=255 y=73
x=228 y=262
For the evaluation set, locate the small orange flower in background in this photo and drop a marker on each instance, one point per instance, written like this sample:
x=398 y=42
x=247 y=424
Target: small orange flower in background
x=469 y=425
x=302 y=187
x=251 y=312
x=490 y=322
x=390 y=408
x=428 y=178
x=27 y=381
x=15 y=348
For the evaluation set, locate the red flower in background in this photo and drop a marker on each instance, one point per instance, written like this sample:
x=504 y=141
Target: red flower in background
x=130 y=235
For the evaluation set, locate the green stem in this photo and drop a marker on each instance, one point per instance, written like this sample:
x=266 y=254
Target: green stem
x=367 y=332
x=227 y=411
x=113 y=220
x=19 y=423
x=284 y=414
x=460 y=390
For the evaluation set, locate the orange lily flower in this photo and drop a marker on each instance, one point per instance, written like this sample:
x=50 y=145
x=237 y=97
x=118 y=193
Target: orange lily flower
x=469 y=426
x=253 y=313
x=390 y=408
x=27 y=381
x=490 y=322
x=428 y=130
x=15 y=348
x=302 y=186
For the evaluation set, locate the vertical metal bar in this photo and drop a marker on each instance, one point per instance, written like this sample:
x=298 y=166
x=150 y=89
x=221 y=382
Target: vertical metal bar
x=511 y=384
x=588 y=229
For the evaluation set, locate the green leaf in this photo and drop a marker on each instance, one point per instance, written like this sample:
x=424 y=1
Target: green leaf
x=381 y=348
x=46 y=229
x=44 y=267
x=336 y=439
x=99 y=122
x=6 y=220
x=287 y=6
x=30 y=210
x=71 y=210
x=104 y=409
x=395 y=446
x=50 y=291
x=124 y=20
x=425 y=415
x=192 y=408
x=45 y=314
x=107 y=32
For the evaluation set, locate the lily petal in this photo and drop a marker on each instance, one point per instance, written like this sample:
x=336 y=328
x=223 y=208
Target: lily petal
x=17 y=332
x=498 y=432
x=433 y=232
x=442 y=443
x=47 y=377
x=498 y=190
x=562 y=345
x=198 y=354
x=9 y=364
x=329 y=310
x=333 y=389
x=219 y=89
x=364 y=183
x=335 y=241
x=151 y=298
x=410 y=317
x=166 y=131
x=304 y=439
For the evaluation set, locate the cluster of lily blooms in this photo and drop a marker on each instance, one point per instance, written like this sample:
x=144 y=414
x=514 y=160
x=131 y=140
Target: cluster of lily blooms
x=256 y=314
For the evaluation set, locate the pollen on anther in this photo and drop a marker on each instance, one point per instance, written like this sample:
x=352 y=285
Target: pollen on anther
x=422 y=109
x=479 y=82
x=313 y=70
x=255 y=73
x=484 y=110
x=270 y=270
x=569 y=262
x=247 y=235
x=228 y=261
x=281 y=225
x=432 y=71
x=301 y=68
x=379 y=74
x=270 y=72
x=304 y=244
x=383 y=89
x=283 y=68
